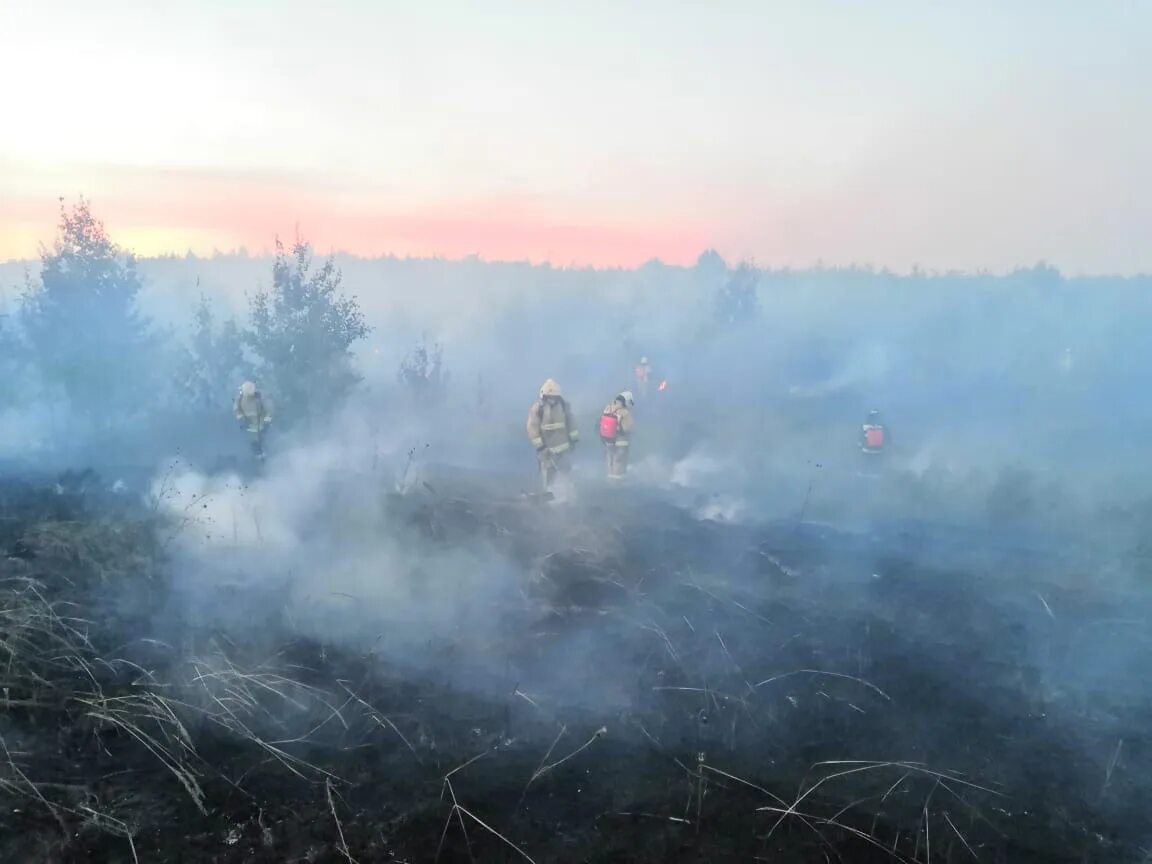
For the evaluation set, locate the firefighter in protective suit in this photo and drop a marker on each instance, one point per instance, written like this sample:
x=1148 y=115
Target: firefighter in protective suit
x=254 y=414
x=552 y=431
x=873 y=434
x=616 y=433
x=643 y=373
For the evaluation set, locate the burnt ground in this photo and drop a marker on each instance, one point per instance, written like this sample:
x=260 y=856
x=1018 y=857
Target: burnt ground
x=661 y=689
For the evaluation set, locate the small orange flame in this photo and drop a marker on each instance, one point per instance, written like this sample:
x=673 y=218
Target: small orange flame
x=663 y=385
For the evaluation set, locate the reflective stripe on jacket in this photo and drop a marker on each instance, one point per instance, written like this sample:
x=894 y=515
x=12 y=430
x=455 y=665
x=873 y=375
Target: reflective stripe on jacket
x=551 y=426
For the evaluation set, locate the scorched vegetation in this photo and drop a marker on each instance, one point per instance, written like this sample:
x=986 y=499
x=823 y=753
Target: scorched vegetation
x=641 y=702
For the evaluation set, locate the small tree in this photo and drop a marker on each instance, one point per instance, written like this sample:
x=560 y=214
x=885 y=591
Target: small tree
x=422 y=372
x=85 y=334
x=302 y=331
x=711 y=266
x=214 y=362
x=737 y=300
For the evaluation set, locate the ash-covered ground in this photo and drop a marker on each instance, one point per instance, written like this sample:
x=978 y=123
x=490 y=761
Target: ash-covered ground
x=453 y=671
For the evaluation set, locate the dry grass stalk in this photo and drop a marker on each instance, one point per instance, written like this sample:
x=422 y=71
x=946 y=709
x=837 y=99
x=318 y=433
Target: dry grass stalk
x=382 y=720
x=544 y=769
x=941 y=780
x=821 y=820
x=459 y=812
x=336 y=819
x=867 y=684
x=961 y=836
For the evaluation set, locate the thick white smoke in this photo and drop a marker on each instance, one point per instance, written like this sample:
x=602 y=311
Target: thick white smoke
x=315 y=537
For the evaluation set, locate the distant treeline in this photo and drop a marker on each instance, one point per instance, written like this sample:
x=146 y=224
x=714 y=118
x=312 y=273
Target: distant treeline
x=97 y=343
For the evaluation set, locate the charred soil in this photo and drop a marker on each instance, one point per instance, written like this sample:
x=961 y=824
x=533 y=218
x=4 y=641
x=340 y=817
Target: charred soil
x=664 y=689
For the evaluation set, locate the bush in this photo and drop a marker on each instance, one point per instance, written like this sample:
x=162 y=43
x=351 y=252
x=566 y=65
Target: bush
x=214 y=362
x=302 y=331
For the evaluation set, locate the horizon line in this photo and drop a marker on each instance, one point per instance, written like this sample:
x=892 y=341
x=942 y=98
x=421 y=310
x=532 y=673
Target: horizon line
x=818 y=266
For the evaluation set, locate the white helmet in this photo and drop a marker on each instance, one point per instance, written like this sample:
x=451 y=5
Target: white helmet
x=628 y=398
x=643 y=361
x=248 y=388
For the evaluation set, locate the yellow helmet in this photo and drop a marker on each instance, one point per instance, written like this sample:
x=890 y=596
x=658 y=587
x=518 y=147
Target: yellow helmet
x=549 y=388
x=248 y=388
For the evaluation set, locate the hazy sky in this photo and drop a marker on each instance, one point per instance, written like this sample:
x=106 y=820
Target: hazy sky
x=967 y=135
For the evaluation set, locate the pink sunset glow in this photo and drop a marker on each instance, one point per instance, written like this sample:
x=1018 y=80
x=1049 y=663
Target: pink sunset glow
x=913 y=141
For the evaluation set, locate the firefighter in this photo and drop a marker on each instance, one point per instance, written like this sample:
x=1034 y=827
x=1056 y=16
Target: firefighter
x=643 y=373
x=873 y=434
x=254 y=413
x=552 y=431
x=616 y=433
